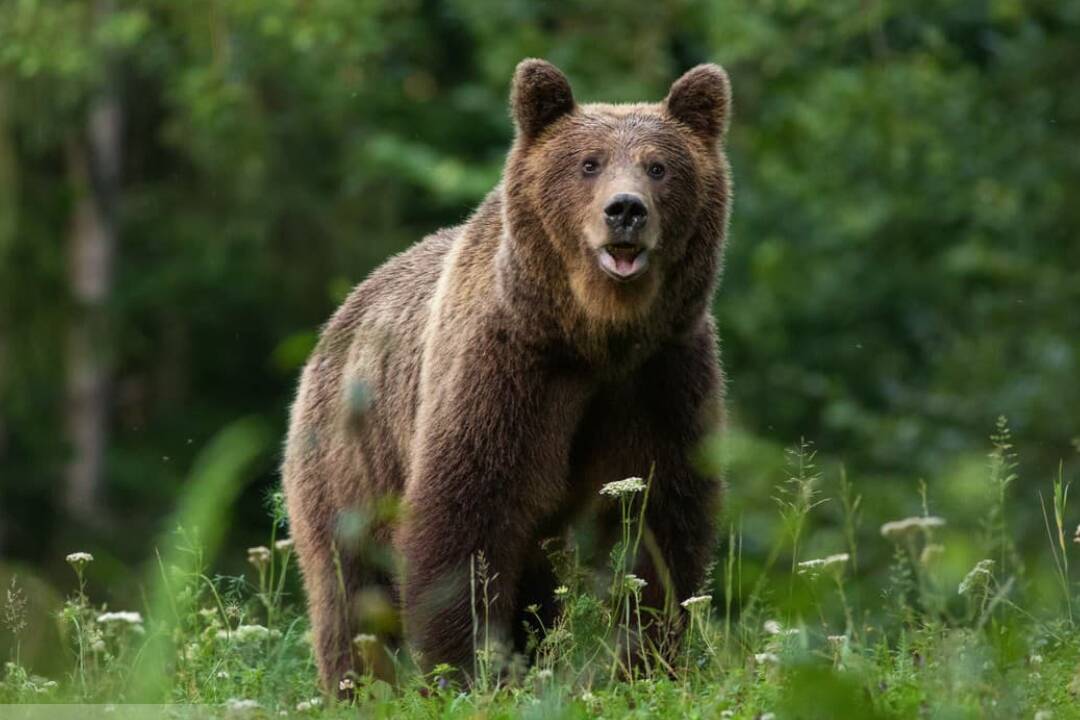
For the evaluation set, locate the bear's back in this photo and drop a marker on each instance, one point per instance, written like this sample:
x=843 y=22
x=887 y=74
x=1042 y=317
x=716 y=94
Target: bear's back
x=354 y=414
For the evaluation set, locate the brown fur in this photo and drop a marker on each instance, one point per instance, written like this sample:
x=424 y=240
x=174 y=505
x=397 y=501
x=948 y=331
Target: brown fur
x=494 y=378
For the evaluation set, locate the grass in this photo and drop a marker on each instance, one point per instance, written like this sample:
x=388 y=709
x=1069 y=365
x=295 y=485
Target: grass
x=919 y=616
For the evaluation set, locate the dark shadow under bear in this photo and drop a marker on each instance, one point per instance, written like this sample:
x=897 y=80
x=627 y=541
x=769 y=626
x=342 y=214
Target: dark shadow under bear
x=497 y=374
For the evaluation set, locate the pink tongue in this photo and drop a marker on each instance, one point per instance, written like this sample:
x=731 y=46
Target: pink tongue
x=624 y=265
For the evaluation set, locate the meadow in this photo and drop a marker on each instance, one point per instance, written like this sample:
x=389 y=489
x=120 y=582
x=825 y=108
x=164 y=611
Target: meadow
x=913 y=617
x=189 y=189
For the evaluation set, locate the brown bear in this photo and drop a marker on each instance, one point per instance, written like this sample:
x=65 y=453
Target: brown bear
x=497 y=374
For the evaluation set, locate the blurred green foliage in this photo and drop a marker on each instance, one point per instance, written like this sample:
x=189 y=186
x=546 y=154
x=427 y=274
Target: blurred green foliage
x=902 y=265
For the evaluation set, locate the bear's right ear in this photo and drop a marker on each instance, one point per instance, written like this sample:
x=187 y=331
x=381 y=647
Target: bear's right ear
x=540 y=95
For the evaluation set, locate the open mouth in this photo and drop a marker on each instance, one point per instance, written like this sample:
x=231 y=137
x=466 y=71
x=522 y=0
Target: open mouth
x=624 y=261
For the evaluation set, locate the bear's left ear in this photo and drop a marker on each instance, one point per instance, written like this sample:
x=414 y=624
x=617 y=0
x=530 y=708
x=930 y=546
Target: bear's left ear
x=540 y=95
x=701 y=100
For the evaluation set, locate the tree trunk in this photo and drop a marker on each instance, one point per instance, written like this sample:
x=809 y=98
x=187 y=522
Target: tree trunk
x=94 y=164
x=8 y=208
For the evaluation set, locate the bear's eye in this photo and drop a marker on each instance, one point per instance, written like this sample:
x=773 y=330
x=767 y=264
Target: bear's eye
x=656 y=171
x=591 y=166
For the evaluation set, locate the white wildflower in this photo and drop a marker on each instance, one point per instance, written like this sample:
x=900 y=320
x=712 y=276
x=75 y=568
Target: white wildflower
x=773 y=627
x=562 y=591
x=1044 y=715
x=79 y=559
x=767 y=658
x=623 y=487
x=979 y=576
x=898 y=529
x=697 y=600
x=259 y=556
x=248 y=633
x=251 y=632
x=544 y=674
x=365 y=639
x=121 y=617
x=634 y=583
x=221 y=675
x=191 y=652
x=284 y=545
x=767 y=716
x=832 y=562
x=346 y=684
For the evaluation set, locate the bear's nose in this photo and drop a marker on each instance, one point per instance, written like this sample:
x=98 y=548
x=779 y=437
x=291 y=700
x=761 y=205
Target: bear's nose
x=625 y=211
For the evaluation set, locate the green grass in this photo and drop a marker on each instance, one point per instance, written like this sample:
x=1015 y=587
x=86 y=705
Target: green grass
x=810 y=612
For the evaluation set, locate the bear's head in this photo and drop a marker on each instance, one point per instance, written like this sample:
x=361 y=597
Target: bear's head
x=628 y=202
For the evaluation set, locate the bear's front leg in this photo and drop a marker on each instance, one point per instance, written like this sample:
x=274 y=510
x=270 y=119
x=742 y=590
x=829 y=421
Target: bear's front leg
x=490 y=463
x=656 y=419
x=682 y=405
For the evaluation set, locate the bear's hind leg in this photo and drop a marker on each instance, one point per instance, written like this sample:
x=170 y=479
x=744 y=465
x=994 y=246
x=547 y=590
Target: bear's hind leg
x=353 y=619
x=330 y=622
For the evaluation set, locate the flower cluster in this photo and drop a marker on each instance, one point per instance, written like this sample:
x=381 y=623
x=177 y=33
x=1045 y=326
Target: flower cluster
x=899 y=529
x=259 y=556
x=623 y=487
x=248 y=633
x=697 y=601
x=814 y=567
x=79 y=559
x=773 y=627
x=284 y=546
x=132 y=620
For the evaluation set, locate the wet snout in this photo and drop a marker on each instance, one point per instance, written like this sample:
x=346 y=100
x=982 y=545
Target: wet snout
x=629 y=237
x=626 y=213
